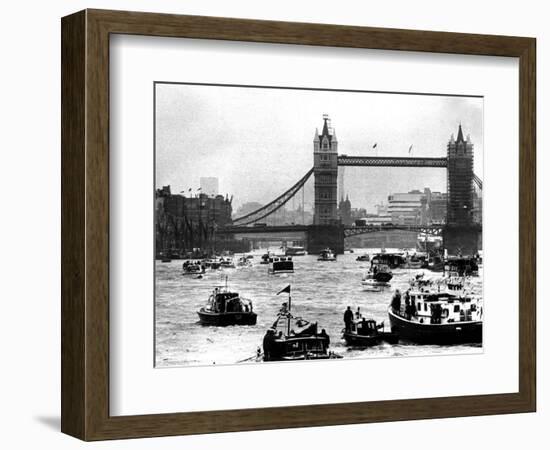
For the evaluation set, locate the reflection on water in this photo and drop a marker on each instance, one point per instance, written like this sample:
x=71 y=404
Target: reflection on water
x=320 y=292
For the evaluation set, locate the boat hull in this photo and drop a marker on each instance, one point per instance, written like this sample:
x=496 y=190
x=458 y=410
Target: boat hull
x=227 y=319
x=356 y=340
x=439 y=334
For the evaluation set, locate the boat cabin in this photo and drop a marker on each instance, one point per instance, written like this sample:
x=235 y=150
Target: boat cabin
x=223 y=301
x=393 y=260
x=364 y=327
x=441 y=307
x=280 y=264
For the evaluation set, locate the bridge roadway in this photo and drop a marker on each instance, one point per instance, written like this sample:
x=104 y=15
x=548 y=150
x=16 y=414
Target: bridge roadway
x=257 y=232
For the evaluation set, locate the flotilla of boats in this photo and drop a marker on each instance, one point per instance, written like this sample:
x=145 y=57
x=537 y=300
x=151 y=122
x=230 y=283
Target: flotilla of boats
x=441 y=309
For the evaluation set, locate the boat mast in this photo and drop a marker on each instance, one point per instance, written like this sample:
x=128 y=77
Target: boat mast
x=289 y=314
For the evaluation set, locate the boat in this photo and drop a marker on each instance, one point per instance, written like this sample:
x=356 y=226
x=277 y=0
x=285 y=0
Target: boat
x=243 y=262
x=280 y=264
x=415 y=262
x=212 y=263
x=225 y=307
x=392 y=260
x=462 y=265
x=363 y=258
x=378 y=272
x=326 y=255
x=372 y=285
x=295 y=251
x=193 y=268
x=227 y=263
x=366 y=333
x=297 y=340
x=441 y=318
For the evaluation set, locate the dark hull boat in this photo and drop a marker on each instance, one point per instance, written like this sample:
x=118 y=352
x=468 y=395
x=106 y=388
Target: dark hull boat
x=357 y=340
x=225 y=307
x=299 y=341
x=226 y=319
x=466 y=332
x=366 y=333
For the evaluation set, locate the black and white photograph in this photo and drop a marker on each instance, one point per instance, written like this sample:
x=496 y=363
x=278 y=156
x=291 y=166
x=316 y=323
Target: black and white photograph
x=297 y=224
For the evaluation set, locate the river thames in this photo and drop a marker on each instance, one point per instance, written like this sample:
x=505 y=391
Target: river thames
x=321 y=291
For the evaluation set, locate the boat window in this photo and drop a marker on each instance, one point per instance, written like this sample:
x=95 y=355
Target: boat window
x=425 y=307
x=456 y=308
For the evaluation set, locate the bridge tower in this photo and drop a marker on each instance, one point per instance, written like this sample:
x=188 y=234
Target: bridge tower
x=325 y=171
x=460 y=180
x=326 y=231
x=461 y=235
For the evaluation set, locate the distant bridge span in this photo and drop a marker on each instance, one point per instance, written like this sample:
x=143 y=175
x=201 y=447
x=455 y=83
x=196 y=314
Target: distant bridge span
x=391 y=161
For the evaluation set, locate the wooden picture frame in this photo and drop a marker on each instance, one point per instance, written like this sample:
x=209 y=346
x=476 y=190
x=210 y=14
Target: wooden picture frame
x=85 y=224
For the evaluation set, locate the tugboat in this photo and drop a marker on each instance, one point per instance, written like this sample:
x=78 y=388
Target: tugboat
x=326 y=255
x=193 y=268
x=280 y=264
x=225 y=307
x=442 y=318
x=297 y=342
x=366 y=333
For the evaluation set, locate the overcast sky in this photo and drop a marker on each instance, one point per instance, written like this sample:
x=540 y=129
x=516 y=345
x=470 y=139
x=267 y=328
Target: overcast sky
x=259 y=141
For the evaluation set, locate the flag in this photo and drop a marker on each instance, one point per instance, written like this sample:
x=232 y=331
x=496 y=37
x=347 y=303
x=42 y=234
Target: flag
x=199 y=189
x=190 y=189
x=287 y=290
x=410 y=149
x=375 y=144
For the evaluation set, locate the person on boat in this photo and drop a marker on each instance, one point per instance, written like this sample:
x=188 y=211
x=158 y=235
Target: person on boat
x=267 y=343
x=324 y=335
x=407 y=308
x=358 y=313
x=348 y=318
x=396 y=301
x=413 y=308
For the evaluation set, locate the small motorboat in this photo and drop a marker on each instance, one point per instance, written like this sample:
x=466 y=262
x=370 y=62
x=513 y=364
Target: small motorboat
x=225 y=307
x=193 y=268
x=227 y=263
x=370 y=285
x=295 y=251
x=378 y=273
x=366 y=333
x=244 y=262
x=326 y=255
x=363 y=258
x=298 y=340
x=414 y=262
x=280 y=264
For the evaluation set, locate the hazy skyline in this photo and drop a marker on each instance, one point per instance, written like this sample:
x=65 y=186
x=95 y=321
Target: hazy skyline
x=259 y=141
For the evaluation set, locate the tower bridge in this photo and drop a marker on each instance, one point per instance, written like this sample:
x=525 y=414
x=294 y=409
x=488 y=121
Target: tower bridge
x=459 y=232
